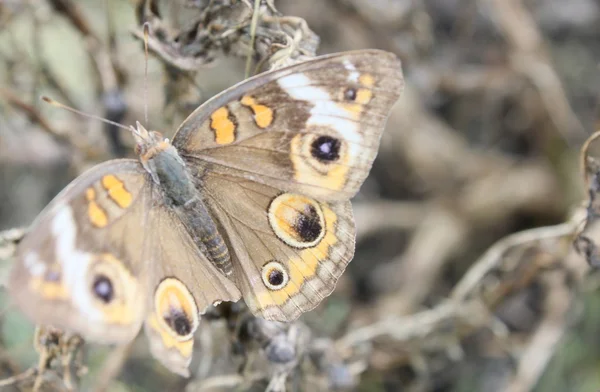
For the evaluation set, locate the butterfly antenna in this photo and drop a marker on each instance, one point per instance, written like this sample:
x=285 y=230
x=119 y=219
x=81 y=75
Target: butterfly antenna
x=70 y=109
x=146 y=38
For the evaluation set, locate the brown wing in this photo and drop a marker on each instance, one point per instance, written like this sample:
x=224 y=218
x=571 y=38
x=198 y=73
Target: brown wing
x=80 y=266
x=107 y=255
x=288 y=249
x=312 y=128
x=185 y=284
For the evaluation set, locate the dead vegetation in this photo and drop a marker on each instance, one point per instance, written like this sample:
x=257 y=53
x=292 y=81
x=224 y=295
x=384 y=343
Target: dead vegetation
x=465 y=276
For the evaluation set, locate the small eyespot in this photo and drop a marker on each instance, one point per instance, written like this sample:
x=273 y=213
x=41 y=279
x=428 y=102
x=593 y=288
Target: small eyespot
x=52 y=276
x=103 y=288
x=350 y=94
x=326 y=148
x=274 y=275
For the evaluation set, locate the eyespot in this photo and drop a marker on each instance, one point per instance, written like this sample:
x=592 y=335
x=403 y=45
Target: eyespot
x=350 y=94
x=178 y=322
x=326 y=148
x=176 y=309
x=321 y=157
x=297 y=220
x=109 y=281
x=274 y=275
x=114 y=291
x=103 y=288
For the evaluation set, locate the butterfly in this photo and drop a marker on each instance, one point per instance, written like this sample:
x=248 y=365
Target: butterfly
x=249 y=200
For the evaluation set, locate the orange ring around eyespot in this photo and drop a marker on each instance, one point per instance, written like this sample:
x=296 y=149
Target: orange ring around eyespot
x=121 y=310
x=294 y=219
x=172 y=294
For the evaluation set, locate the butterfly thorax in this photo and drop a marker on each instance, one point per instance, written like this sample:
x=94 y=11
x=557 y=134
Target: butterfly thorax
x=180 y=194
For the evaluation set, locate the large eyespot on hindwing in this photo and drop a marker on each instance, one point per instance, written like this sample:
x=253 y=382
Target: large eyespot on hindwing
x=297 y=220
x=113 y=288
x=274 y=275
x=176 y=309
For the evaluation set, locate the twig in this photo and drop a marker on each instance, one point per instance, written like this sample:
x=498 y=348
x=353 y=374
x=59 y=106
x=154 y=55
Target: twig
x=542 y=344
x=229 y=381
x=33 y=114
x=18 y=378
x=493 y=255
x=404 y=329
x=253 y=24
x=530 y=58
x=112 y=367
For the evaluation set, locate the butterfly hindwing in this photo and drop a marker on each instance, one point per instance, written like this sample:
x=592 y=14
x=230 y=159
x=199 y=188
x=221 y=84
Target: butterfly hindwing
x=288 y=249
x=184 y=285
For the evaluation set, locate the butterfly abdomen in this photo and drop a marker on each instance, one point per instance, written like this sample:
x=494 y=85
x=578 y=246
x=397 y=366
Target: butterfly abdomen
x=205 y=233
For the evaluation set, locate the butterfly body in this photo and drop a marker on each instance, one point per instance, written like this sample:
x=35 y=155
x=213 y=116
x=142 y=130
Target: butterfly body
x=249 y=200
x=181 y=192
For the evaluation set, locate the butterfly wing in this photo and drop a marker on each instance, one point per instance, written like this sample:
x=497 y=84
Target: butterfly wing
x=107 y=255
x=312 y=128
x=288 y=249
x=79 y=266
x=279 y=156
x=185 y=284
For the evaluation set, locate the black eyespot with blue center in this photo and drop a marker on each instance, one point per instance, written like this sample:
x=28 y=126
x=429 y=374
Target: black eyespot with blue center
x=350 y=94
x=326 y=148
x=103 y=288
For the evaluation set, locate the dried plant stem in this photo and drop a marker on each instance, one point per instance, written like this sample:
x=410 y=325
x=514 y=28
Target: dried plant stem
x=18 y=378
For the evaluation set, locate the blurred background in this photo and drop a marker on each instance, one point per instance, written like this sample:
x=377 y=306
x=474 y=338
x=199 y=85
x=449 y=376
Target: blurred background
x=465 y=277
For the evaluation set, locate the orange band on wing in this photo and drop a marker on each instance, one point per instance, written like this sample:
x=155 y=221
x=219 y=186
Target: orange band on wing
x=366 y=80
x=363 y=96
x=116 y=190
x=263 y=115
x=222 y=126
x=49 y=289
x=96 y=215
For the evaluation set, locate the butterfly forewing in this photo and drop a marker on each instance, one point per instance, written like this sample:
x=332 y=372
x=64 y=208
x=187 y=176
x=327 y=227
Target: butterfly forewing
x=313 y=128
x=80 y=267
